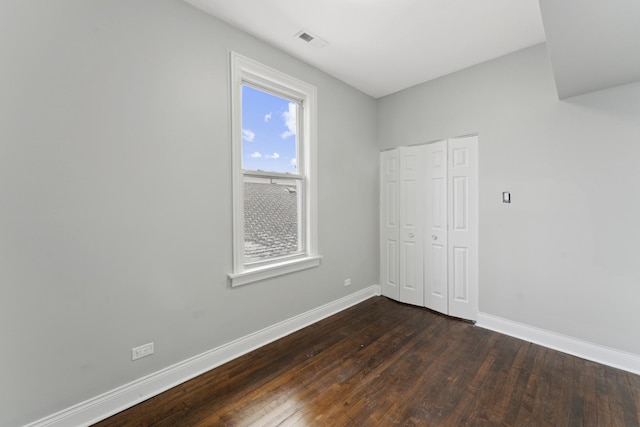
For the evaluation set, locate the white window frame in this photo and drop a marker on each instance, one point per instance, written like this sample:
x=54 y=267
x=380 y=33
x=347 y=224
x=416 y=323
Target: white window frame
x=248 y=71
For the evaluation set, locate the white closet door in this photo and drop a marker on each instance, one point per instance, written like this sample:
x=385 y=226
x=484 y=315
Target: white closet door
x=463 y=227
x=412 y=197
x=390 y=223
x=435 y=264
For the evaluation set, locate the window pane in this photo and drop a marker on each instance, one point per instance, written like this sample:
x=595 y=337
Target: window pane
x=269 y=132
x=271 y=218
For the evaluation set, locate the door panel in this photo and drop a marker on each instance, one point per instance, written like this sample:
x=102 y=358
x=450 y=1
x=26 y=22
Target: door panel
x=408 y=253
x=392 y=203
x=438 y=276
x=435 y=264
x=460 y=203
x=408 y=206
x=389 y=223
x=412 y=196
x=460 y=277
x=438 y=204
x=463 y=233
x=391 y=269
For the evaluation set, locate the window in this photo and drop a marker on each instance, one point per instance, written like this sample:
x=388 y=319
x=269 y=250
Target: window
x=274 y=157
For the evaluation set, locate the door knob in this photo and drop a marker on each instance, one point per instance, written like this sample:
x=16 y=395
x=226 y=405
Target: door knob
x=434 y=237
x=411 y=235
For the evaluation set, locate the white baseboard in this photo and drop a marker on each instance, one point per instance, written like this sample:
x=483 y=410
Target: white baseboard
x=607 y=356
x=128 y=395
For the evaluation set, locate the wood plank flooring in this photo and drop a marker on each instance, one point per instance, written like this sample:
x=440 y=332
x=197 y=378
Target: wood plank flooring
x=382 y=363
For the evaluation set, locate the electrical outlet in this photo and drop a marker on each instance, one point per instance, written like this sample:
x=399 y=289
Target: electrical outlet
x=347 y=282
x=142 y=351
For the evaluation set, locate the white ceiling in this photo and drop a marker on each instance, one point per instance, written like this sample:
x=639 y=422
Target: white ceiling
x=383 y=46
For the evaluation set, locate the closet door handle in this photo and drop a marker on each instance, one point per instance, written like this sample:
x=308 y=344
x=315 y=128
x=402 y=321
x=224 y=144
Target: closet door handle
x=434 y=237
x=411 y=235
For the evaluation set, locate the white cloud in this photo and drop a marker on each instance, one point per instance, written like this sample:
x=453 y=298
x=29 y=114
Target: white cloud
x=294 y=163
x=267 y=117
x=290 y=121
x=256 y=155
x=272 y=156
x=247 y=135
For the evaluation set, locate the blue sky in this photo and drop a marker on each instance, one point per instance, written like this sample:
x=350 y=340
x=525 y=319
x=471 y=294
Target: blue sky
x=268 y=132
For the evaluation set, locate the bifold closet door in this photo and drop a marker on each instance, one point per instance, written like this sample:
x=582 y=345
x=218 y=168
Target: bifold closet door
x=390 y=223
x=451 y=249
x=429 y=225
x=402 y=198
x=463 y=227
x=412 y=198
x=436 y=292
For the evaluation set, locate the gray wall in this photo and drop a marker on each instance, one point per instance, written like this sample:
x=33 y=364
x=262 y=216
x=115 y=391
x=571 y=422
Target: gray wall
x=115 y=196
x=564 y=255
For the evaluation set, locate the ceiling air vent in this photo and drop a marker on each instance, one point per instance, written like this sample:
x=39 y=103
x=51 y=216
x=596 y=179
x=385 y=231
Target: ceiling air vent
x=306 y=37
x=314 y=41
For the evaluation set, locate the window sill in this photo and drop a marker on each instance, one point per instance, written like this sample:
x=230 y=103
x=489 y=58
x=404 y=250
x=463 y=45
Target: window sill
x=273 y=270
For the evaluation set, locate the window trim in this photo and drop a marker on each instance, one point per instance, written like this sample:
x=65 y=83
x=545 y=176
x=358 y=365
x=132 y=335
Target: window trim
x=248 y=71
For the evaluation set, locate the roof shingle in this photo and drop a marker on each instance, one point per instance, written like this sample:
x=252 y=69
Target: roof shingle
x=270 y=220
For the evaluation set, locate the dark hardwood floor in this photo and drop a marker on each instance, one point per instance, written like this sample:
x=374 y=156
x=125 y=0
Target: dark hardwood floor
x=382 y=363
